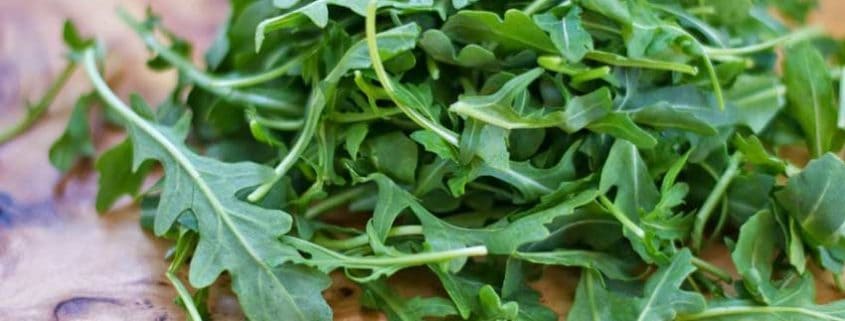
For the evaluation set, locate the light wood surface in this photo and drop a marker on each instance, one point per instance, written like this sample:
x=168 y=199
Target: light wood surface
x=59 y=260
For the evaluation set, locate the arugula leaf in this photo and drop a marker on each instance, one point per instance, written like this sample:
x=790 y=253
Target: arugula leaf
x=810 y=93
x=247 y=246
x=75 y=142
x=811 y=199
x=516 y=31
x=567 y=33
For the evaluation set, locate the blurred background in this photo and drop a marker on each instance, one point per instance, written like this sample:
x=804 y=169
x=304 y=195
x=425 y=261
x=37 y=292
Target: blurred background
x=59 y=260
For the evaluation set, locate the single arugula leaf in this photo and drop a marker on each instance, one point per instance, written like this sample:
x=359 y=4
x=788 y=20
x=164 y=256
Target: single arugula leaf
x=235 y=236
x=395 y=155
x=627 y=172
x=117 y=177
x=810 y=93
x=515 y=32
x=439 y=47
x=812 y=199
x=567 y=33
x=621 y=126
x=756 y=99
x=487 y=142
x=663 y=299
x=492 y=307
x=754 y=255
x=664 y=115
x=75 y=142
x=593 y=301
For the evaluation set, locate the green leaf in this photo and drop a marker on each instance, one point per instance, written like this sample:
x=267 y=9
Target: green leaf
x=627 y=172
x=395 y=155
x=439 y=47
x=664 y=115
x=756 y=99
x=391 y=43
x=567 y=33
x=594 y=302
x=810 y=93
x=235 y=236
x=812 y=199
x=621 y=126
x=75 y=142
x=117 y=177
x=754 y=255
x=663 y=299
x=515 y=32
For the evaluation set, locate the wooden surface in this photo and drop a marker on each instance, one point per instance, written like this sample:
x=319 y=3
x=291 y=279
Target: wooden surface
x=59 y=260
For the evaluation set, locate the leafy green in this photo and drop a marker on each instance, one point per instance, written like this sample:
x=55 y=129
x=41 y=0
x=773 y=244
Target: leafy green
x=810 y=93
x=479 y=141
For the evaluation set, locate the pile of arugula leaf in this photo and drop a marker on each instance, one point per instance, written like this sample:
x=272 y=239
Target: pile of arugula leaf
x=489 y=139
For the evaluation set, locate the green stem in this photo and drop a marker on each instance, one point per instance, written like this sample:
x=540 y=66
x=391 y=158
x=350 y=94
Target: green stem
x=316 y=103
x=363 y=116
x=387 y=83
x=590 y=74
x=203 y=80
x=711 y=269
x=184 y=245
x=622 y=61
x=534 y=6
x=414 y=259
x=621 y=217
x=278 y=124
x=185 y=295
x=797 y=36
x=256 y=79
x=841 y=123
x=34 y=112
x=762 y=311
x=364 y=239
x=336 y=200
x=713 y=199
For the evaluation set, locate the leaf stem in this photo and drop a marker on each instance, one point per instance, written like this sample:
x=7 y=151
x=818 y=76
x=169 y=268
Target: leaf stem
x=184 y=245
x=617 y=213
x=363 y=116
x=712 y=269
x=415 y=259
x=336 y=200
x=278 y=124
x=797 y=36
x=34 y=112
x=623 y=61
x=534 y=6
x=713 y=199
x=387 y=83
x=184 y=295
x=203 y=80
x=763 y=311
x=316 y=103
x=364 y=239
x=259 y=78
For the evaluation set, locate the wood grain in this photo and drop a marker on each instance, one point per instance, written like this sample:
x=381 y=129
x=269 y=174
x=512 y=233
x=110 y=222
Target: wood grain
x=59 y=260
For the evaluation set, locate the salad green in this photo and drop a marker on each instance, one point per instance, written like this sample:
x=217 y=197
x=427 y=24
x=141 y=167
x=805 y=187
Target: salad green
x=488 y=139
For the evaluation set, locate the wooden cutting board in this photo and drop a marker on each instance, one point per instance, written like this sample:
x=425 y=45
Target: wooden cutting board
x=59 y=260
